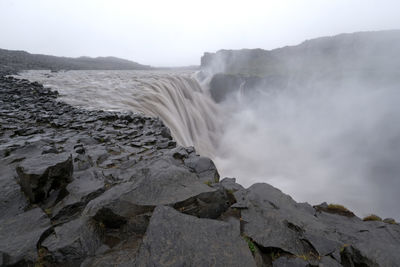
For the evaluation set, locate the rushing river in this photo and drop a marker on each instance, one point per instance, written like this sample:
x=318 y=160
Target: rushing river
x=175 y=97
x=340 y=146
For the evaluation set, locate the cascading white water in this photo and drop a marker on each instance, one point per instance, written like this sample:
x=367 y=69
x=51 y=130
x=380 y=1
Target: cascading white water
x=322 y=143
x=175 y=97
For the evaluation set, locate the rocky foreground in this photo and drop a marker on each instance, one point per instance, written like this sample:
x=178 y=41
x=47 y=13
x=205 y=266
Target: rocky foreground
x=97 y=188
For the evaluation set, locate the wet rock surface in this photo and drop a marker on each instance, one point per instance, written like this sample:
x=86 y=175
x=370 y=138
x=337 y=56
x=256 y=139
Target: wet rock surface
x=175 y=239
x=19 y=235
x=41 y=175
x=275 y=222
x=98 y=188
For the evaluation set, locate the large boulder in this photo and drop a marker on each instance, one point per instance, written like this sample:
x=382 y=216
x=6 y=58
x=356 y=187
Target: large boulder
x=204 y=168
x=45 y=176
x=72 y=242
x=19 y=236
x=159 y=183
x=278 y=224
x=356 y=235
x=86 y=186
x=274 y=220
x=175 y=239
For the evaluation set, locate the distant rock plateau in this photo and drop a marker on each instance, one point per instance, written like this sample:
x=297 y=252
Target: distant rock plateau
x=12 y=61
x=364 y=59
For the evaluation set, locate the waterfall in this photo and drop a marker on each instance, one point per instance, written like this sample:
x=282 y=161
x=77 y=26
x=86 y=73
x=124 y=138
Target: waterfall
x=175 y=97
x=317 y=143
x=183 y=106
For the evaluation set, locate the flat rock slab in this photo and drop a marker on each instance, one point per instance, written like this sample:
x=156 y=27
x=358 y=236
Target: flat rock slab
x=19 y=236
x=175 y=239
x=160 y=183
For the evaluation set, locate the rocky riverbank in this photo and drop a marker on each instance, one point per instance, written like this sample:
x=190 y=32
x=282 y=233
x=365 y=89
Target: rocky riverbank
x=98 y=188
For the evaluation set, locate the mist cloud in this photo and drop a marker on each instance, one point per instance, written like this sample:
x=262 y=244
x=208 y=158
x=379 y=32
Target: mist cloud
x=319 y=143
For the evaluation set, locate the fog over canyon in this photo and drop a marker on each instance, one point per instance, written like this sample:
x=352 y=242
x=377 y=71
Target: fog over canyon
x=319 y=126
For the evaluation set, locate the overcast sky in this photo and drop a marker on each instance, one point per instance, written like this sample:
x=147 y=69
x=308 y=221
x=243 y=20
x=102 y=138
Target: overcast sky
x=174 y=32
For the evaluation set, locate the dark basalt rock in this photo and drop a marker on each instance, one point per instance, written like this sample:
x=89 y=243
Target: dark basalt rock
x=96 y=188
x=159 y=182
x=12 y=200
x=222 y=85
x=19 y=235
x=204 y=167
x=290 y=262
x=72 y=242
x=274 y=220
x=230 y=185
x=367 y=58
x=281 y=225
x=226 y=85
x=174 y=239
x=40 y=176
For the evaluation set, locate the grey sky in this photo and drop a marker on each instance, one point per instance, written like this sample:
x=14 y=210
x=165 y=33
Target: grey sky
x=174 y=32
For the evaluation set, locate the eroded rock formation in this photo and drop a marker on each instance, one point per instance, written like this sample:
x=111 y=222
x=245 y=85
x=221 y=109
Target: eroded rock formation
x=98 y=188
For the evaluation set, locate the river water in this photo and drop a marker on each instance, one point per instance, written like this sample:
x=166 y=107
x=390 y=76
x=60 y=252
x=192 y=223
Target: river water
x=340 y=146
x=175 y=97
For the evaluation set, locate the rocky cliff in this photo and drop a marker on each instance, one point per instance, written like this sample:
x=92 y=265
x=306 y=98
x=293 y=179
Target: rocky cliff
x=367 y=58
x=97 y=188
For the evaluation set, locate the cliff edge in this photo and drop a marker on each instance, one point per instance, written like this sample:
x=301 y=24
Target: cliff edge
x=97 y=188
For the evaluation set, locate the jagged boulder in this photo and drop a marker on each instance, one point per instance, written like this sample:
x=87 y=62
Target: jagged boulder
x=72 y=242
x=230 y=184
x=19 y=236
x=45 y=176
x=204 y=167
x=175 y=239
x=279 y=225
x=158 y=183
x=273 y=219
x=372 y=243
